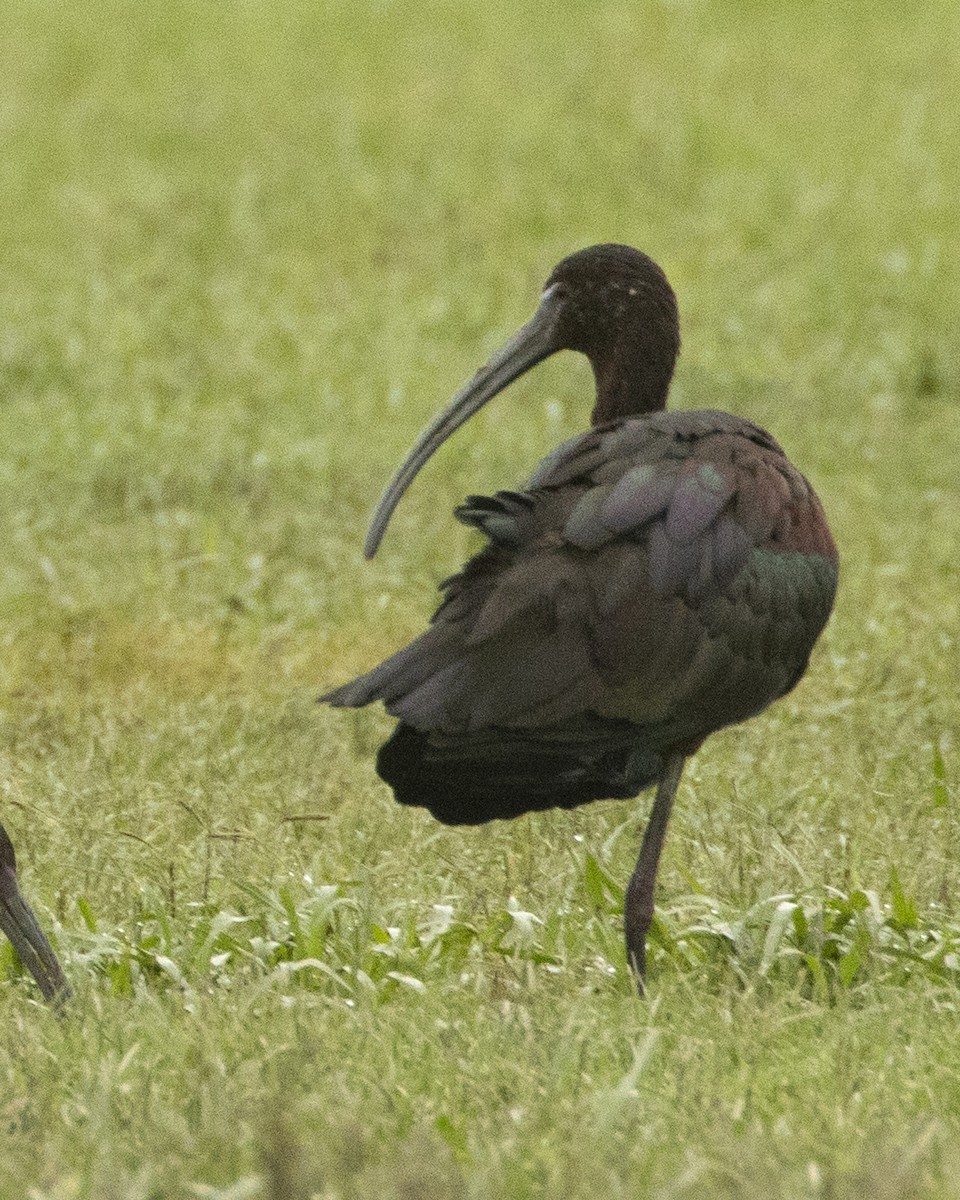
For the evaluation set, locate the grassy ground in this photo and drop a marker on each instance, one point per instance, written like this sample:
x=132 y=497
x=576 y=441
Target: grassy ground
x=245 y=250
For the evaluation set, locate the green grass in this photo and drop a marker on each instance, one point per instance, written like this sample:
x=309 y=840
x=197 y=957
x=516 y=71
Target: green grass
x=245 y=251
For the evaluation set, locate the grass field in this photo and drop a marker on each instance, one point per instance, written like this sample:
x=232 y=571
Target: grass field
x=245 y=251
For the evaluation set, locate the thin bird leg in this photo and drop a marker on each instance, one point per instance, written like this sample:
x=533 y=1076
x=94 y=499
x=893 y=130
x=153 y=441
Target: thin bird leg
x=638 y=907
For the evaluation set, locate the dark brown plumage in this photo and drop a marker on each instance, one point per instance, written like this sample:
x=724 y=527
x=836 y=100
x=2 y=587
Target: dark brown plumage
x=661 y=576
x=20 y=925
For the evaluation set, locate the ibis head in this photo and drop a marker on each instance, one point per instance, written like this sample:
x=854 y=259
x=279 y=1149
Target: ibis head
x=22 y=928
x=611 y=303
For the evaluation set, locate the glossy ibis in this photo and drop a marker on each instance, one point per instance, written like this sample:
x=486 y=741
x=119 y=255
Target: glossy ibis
x=660 y=576
x=21 y=927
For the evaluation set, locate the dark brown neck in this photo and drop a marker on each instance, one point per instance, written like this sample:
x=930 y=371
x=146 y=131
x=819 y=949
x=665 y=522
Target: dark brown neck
x=629 y=388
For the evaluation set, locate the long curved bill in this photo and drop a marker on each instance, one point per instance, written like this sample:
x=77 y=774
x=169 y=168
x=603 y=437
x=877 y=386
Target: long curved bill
x=22 y=928
x=530 y=345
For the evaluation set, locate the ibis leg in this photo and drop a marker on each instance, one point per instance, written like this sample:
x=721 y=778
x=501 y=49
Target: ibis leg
x=638 y=907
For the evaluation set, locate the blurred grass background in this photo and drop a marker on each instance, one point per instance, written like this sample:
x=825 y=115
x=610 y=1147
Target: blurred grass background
x=245 y=252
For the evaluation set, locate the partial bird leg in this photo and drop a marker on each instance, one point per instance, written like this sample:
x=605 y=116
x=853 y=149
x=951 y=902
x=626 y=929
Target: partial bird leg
x=638 y=906
x=22 y=928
